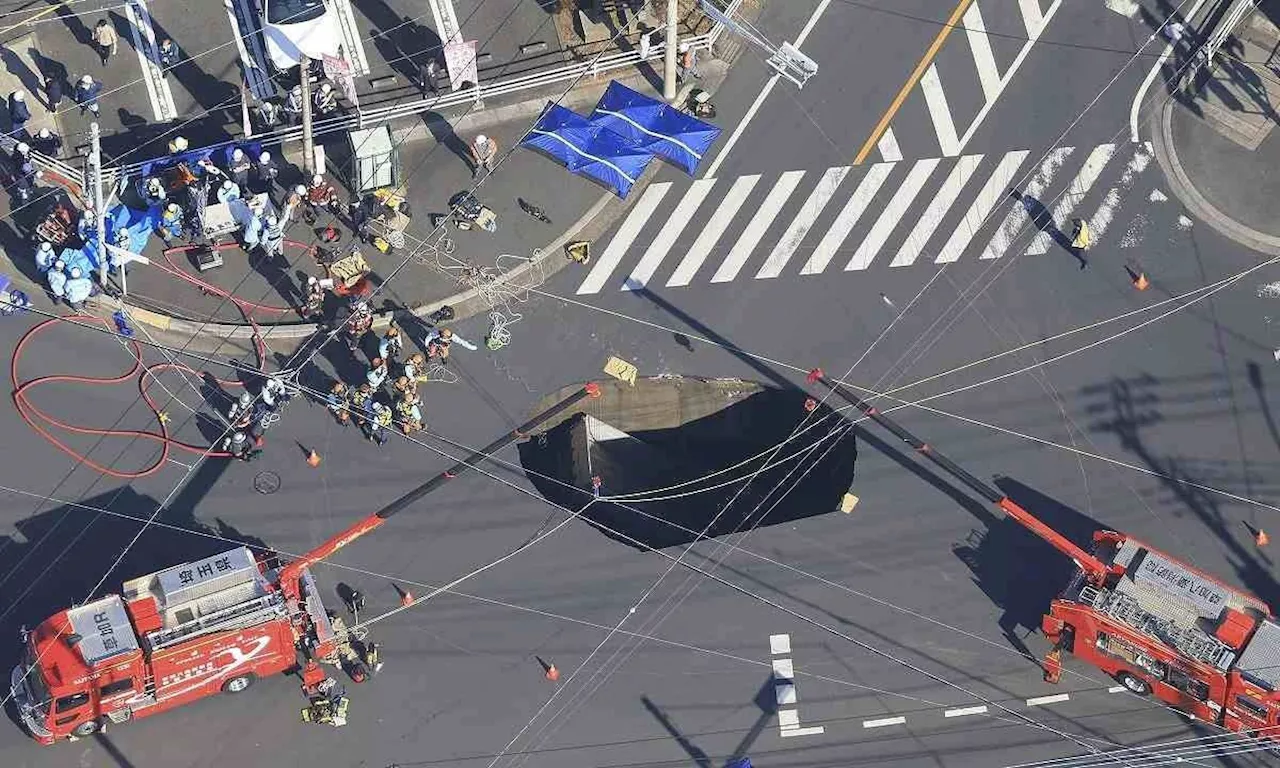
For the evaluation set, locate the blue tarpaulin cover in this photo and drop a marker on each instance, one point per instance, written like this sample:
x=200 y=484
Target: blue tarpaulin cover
x=588 y=149
x=139 y=223
x=655 y=125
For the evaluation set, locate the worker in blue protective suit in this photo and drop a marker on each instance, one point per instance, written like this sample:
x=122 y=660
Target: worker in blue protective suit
x=12 y=301
x=87 y=227
x=79 y=288
x=124 y=242
x=228 y=191
x=153 y=191
x=171 y=224
x=57 y=280
x=45 y=257
x=272 y=238
x=251 y=233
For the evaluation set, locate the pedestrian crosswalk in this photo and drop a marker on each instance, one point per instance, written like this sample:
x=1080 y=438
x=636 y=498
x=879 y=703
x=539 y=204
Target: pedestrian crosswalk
x=799 y=223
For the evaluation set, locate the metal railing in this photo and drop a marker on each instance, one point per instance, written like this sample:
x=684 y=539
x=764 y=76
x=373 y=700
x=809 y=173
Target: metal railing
x=1225 y=26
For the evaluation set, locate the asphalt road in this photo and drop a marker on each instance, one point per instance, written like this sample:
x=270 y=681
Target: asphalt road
x=1096 y=404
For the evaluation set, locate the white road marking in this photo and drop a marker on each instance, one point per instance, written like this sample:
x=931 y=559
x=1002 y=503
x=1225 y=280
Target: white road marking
x=671 y=229
x=617 y=247
x=888 y=146
x=803 y=222
x=788 y=718
x=783 y=669
x=966 y=711
x=710 y=234
x=988 y=75
x=1116 y=689
x=1010 y=72
x=892 y=214
x=784 y=693
x=254 y=66
x=144 y=44
x=1031 y=17
x=992 y=192
x=1123 y=7
x=1155 y=68
x=1012 y=225
x=884 y=721
x=939 y=112
x=1080 y=186
x=779 y=644
x=811 y=731
x=1101 y=219
x=764 y=93
x=1040 y=701
x=179 y=463
x=759 y=224
x=352 y=45
x=919 y=235
x=847 y=218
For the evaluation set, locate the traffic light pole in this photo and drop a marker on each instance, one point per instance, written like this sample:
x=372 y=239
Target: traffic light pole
x=669 y=60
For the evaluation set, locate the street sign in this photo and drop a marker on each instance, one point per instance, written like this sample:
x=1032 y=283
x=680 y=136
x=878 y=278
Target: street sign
x=339 y=71
x=460 y=60
x=792 y=64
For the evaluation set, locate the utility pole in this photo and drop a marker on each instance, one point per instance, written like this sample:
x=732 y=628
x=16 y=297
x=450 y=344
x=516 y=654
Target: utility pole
x=308 y=144
x=95 y=170
x=669 y=68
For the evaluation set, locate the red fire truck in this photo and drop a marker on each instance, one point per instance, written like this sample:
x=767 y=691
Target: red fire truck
x=197 y=629
x=1156 y=625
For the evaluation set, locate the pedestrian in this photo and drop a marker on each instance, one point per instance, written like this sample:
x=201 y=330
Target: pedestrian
x=79 y=288
x=86 y=94
x=276 y=392
x=105 y=39
x=168 y=54
x=313 y=306
x=413 y=368
x=171 y=222
x=21 y=153
x=238 y=170
x=228 y=191
x=265 y=171
x=360 y=404
x=53 y=91
x=377 y=374
x=484 y=151
x=45 y=257
x=241 y=447
x=392 y=344
x=404 y=385
x=381 y=421
x=153 y=191
x=409 y=411
x=272 y=238
x=19 y=113
x=293 y=202
x=438 y=342
x=326 y=100
x=293 y=105
x=57 y=280
x=336 y=402
x=87 y=227
x=240 y=414
x=427 y=72
x=268 y=112
x=13 y=301
x=25 y=183
x=47 y=142
x=688 y=63
x=320 y=195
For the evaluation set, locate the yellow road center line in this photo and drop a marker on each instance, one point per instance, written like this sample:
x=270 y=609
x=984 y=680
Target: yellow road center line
x=916 y=74
x=31 y=18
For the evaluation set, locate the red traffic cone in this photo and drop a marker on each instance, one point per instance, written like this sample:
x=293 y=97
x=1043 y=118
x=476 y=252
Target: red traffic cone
x=406 y=597
x=553 y=674
x=1261 y=538
x=1139 y=278
x=313 y=458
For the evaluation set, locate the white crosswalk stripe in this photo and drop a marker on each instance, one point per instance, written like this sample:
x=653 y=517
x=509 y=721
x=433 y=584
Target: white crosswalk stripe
x=929 y=211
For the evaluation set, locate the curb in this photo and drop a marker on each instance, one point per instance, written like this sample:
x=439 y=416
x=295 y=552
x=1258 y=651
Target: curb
x=469 y=302
x=1185 y=190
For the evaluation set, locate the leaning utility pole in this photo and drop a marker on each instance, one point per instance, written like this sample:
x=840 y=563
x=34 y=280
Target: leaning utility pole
x=669 y=68
x=308 y=144
x=95 y=178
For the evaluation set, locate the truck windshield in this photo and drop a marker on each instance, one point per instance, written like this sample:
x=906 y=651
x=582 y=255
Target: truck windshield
x=293 y=11
x=35 y=682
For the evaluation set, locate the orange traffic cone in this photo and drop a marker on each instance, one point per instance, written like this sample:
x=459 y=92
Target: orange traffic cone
x=313 y=458
x=553 y=674
x=1139 y=278
x=406 y=597
x=1261 y=538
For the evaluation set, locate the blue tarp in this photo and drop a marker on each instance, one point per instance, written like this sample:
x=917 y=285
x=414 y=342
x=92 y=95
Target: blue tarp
x=655 y=125
x=140 y=225
x=221 y=156
x=588 y=149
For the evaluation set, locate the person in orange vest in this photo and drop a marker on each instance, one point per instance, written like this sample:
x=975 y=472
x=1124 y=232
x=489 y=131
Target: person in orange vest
x=1053 y=666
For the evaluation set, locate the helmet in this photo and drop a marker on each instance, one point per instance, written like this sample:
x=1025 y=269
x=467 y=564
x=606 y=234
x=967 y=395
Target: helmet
x=325 y=88
x=300 y=190
x=179 y=144
x=265 y=157
x=173 y=207
x=482 y=139
x=237 y=153
x=76 y=274
x=238 y=438
x=402 y=382
x=59 y=265
x=45 y=133
x=361 y=306
x=296 y=89
x=311 y=280
x=19 y=96
x=375 y=363
x=153 y=183
x=446 y=334
x=272 y=220
x=86 y=80
x=684 y=48
x=338 y=387
x=23 y=147
x=245 y=398
x=317 y=180
x=45 y=245
x=227 y=184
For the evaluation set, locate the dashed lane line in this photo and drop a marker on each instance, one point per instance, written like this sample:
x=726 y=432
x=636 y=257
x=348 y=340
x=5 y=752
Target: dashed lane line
x=1040 y=701
x=981 y=709
x=883 y=722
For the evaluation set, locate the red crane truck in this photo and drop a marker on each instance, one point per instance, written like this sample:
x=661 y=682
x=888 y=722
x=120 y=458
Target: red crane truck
x=202 y=628
x=1158 y=626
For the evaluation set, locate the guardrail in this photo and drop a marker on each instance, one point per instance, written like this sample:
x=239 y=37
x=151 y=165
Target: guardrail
x=1225 y=26
x=361 y=118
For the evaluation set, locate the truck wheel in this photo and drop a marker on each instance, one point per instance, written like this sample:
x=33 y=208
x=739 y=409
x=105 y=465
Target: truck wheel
x=87 y=728
x=238 y=684
x=1134 y=683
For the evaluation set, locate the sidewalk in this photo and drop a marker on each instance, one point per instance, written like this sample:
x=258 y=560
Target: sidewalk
x=1216 y=140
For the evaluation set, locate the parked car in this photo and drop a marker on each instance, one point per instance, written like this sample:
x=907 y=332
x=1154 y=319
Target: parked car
x=297 y=28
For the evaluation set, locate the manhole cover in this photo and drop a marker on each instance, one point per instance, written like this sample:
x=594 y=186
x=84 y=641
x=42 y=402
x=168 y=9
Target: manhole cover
x=266 y=482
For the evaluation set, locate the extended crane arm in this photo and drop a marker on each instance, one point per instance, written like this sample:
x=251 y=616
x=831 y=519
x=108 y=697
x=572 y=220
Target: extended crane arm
x=1095 y=569
x=291 y=573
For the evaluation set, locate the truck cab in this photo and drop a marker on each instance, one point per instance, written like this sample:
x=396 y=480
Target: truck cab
x=1253 y=701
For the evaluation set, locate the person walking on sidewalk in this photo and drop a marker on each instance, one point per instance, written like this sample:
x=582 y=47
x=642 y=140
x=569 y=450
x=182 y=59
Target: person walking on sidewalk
x=105 y=40
x=484 y=151
x=53 y=91
x=19 y=113
x=86 y=94
x=168 y=54
x=381 y=421
x=48 y=142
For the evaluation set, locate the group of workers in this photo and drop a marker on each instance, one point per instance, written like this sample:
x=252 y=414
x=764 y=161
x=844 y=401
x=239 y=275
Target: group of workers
x=69 y=275
x=249 y=418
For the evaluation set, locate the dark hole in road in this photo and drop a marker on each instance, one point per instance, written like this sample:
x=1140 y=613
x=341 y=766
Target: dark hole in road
x=635 y=445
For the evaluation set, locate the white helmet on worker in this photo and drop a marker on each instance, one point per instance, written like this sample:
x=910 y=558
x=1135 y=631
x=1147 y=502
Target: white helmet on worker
x=237 y=153
x=301 y=190
x=23 y=147
x=86 y=80
x=45 y=133
x=76 y=274
x=325 y=88
x=19 y=96
x=317 y=180
x=272 y=220
x=173 y=208
x=684 y=48
x=482 y=139
x=228 y=184
x=265 y=157
x=59 y=265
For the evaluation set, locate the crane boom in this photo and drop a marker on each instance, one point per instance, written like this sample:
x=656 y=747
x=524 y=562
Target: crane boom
x=1095 y=570
x=290 y=574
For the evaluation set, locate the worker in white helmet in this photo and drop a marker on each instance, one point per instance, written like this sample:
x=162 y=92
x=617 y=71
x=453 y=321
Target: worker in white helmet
x=48 y=142
x=484 y=151
x=239 y=169
x=79 y=288
x=326 y=100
